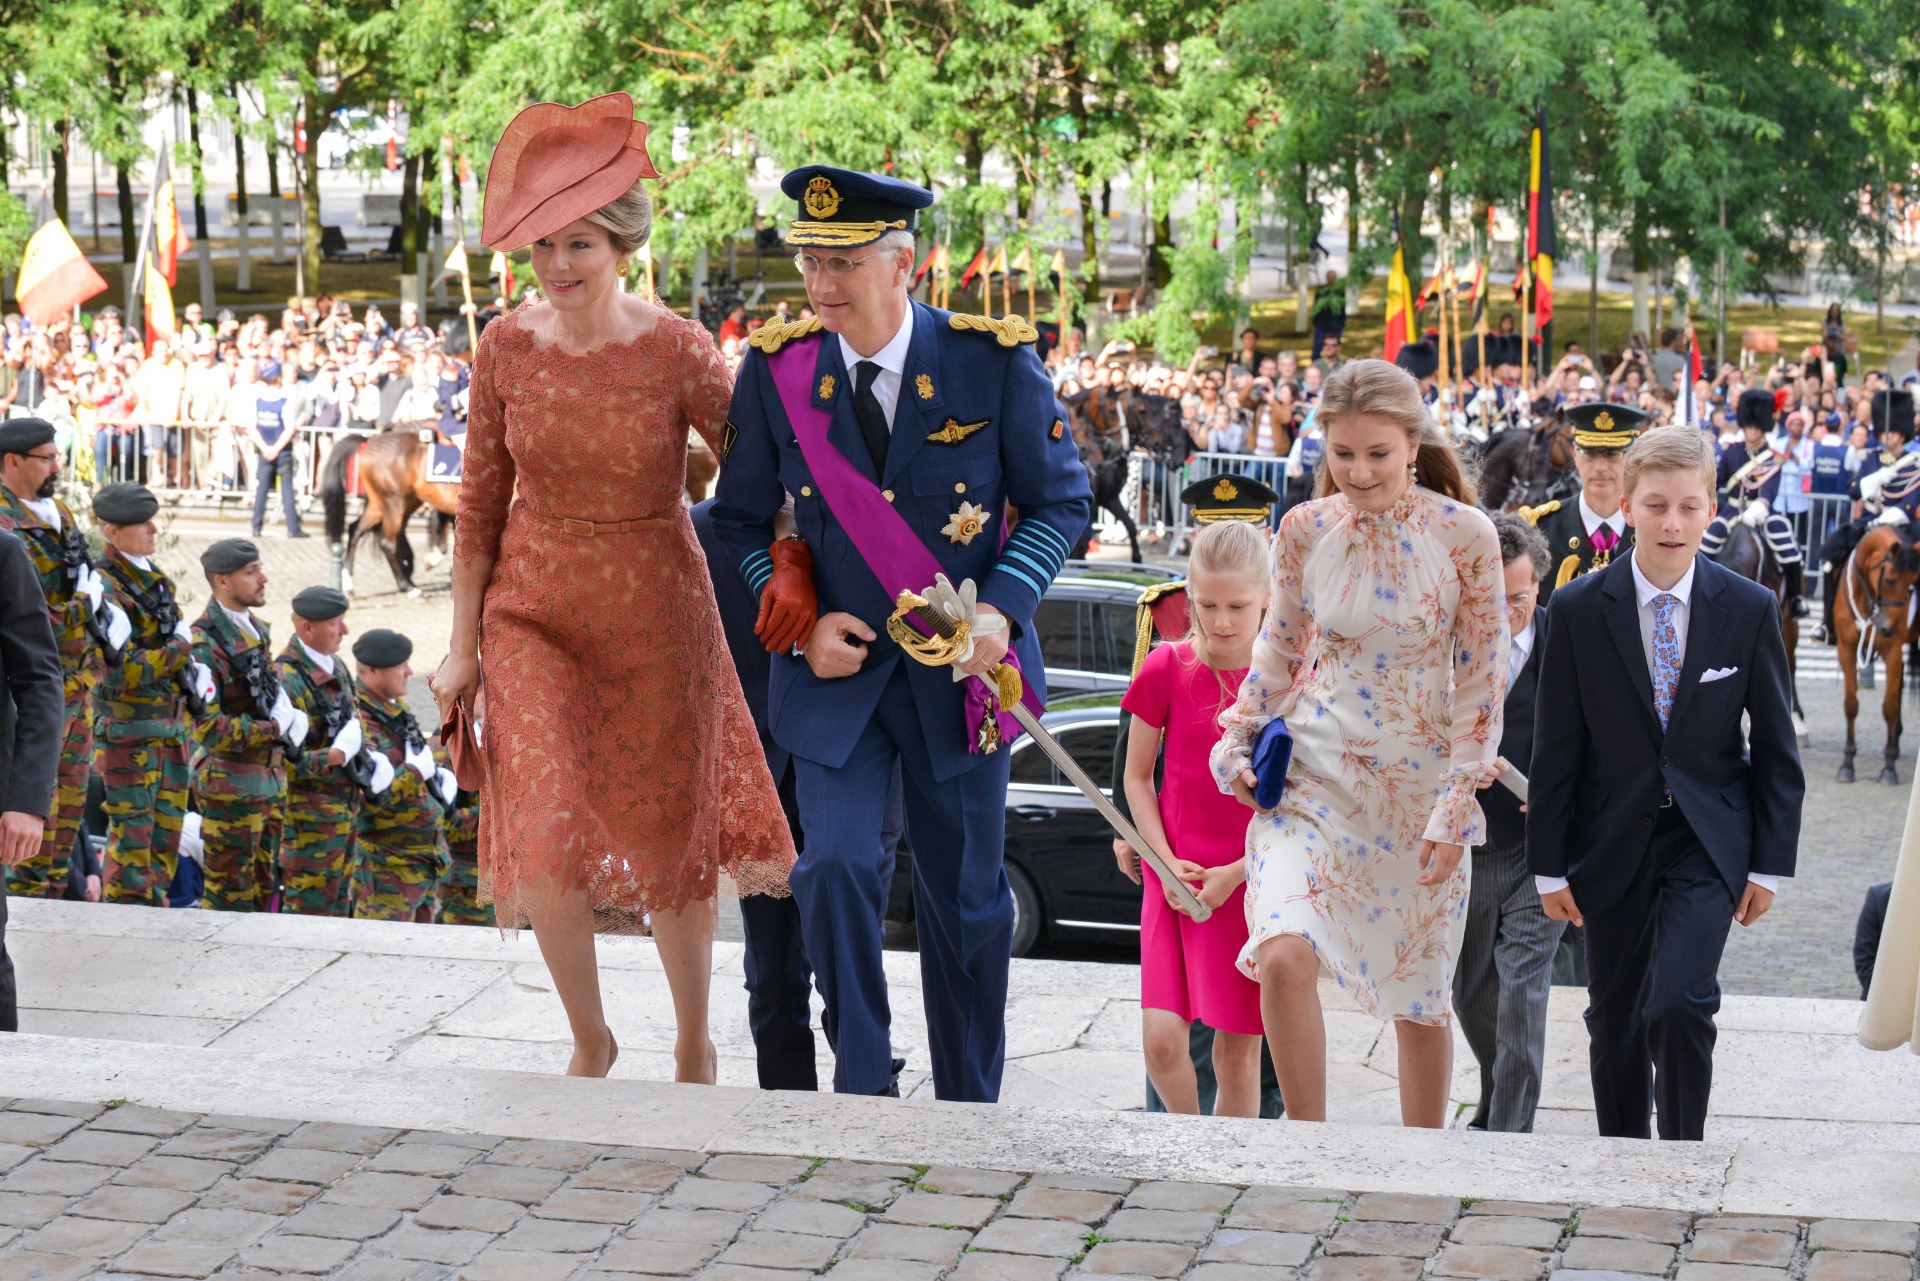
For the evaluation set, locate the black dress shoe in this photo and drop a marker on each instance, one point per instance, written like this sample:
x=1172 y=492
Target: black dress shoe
x=1798 y=607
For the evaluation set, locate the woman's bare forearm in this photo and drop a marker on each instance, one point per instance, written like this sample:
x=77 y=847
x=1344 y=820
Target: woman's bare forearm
x=470 y=579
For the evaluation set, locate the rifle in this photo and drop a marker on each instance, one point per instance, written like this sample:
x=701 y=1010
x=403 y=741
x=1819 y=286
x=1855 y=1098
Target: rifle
x=262 y=686
x=359 y=766
x=164 y=610
x=70 y=549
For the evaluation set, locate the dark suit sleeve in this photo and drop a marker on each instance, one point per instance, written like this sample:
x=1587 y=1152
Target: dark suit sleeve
x=1778 y=786
x=1559 y=746
x=32 y=667
x=749 y=494
x=1867 y=931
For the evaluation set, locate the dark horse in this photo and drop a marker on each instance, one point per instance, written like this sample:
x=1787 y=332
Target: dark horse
x=1151 y=423
x=393 y=475
x=1749 y=555
x=1873 y=614
x=1525 y=467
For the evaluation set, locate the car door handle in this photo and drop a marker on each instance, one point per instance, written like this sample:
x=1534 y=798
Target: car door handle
x=1034 y=813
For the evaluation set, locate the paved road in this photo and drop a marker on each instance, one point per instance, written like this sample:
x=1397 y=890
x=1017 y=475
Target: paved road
x=1849 y=839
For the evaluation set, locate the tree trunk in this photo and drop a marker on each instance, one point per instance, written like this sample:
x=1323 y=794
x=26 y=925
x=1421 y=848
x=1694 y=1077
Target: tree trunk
x=129 y=241
x=1162 y=251
x=972 y=159
x=1353 y=236
x=310 y=233
x=242 y=225
x=275 y=207
x=409 y=227
x=60 y=173
x=202 y=244
x=1089 y=283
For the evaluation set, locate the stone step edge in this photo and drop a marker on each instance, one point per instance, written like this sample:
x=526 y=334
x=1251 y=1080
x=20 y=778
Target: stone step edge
x=1748 y=1178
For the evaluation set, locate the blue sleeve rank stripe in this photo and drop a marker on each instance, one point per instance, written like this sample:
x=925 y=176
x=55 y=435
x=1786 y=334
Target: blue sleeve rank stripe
x=757 y=569
x=1035 y=555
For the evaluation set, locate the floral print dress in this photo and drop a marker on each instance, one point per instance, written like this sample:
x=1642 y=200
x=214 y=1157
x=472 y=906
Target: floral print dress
x=1386 y=652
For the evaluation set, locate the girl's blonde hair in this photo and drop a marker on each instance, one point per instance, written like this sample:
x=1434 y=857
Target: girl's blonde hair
x=1380 y=390
x=1227 y=549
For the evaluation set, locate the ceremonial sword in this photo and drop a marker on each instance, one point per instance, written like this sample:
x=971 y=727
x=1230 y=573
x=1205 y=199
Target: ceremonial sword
x=1005 y=680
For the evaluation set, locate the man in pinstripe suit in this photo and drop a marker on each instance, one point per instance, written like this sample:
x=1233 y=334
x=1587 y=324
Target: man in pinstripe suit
x=1506 y=955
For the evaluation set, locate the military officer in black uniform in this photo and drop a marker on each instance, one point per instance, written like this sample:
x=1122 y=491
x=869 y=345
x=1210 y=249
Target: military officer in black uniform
x=1587 y=531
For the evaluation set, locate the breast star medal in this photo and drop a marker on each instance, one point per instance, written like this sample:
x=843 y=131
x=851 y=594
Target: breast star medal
x=966 y=523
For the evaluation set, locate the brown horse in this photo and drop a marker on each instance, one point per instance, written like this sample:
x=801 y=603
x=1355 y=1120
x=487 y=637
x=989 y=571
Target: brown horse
x=1749 y=555
x=1874 y=609
x=1527 y=467
x=393 y=476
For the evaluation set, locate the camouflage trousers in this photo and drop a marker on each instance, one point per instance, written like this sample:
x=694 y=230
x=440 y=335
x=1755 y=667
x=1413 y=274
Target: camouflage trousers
x=316 y=854
x=45 y=874
x=460 y=888
x=146 y=782
x=396 y=884
x=241 y=834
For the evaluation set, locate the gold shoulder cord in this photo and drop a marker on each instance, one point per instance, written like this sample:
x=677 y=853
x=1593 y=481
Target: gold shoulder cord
x=1569 y=570
x=771 y=338
x=1009 y=332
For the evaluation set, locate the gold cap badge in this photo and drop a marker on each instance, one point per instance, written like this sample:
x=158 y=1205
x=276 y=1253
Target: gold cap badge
x=1603 y=421
x=821 y=200
x=1226 y=491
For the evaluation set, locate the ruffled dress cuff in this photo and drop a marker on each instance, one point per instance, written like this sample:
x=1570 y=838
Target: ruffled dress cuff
x=1457 y=818
x=1232 y=754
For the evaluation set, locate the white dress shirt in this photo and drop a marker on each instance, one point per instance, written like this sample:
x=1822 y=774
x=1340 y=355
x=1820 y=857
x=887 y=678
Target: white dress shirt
x=892 y=360
x=144 y=563
x=243 y=620
x=46 y=509
x=322 y=661
x=1593 y=520
x=1644 y=594
x=1522 y=647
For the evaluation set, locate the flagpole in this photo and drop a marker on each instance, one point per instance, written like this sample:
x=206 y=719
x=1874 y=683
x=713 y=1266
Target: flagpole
x=1033 y=312
x=136 y=287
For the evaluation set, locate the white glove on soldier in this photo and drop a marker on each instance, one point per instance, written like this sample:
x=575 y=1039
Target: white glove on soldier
x=1873 y=483
x=348 y=741
x=119 y=630
x=91 y=585
x=203 y=682
x=422 y=761
x=297 y=730
x=184 y=630
x=382 y=773
x=445 y=785
x=282 y=713
x=1756 y=514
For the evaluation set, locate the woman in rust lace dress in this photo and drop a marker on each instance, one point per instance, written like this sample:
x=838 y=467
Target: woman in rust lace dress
x=623 y=771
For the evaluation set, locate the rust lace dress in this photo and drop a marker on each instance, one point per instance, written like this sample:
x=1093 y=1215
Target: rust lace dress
x=620 y=754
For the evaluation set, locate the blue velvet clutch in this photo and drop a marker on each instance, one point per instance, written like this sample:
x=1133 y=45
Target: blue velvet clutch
x=1272 y=750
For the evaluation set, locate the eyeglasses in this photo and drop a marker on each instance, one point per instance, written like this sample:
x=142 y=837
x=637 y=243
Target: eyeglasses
x=1519 y=600
x=54 y=457
x=837 y=266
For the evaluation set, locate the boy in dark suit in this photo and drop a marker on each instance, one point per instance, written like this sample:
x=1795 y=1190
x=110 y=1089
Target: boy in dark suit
x=1653 y=821
x=1505 y=970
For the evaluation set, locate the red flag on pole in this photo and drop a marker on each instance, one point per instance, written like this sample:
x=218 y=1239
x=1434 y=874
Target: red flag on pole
x=973 y=268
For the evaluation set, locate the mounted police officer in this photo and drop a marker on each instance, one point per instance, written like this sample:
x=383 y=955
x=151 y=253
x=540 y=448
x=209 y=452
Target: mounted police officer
x=81 y=617
x=1750 y=486
x=316 y=840
x=1887 y=492
x=902 y=433
x=241 y=743
x=400 y=851
x=1586 y=532
x=141 y=705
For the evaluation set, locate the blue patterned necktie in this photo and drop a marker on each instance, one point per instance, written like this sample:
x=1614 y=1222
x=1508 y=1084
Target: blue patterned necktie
x=1666 y=655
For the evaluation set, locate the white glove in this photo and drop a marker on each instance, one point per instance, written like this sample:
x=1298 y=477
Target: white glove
x=91 y=585
x=1756 y=514
x=1891 y=516
x=382 y=773
x=119 y=630
x=282 y=713
x=1871 y=485
x=184 y=630
x=422 y=761
x=191 y=843
x=203 y=681
x=296 y=731
x=348 y=741
x=445 y=785
x=960 y=606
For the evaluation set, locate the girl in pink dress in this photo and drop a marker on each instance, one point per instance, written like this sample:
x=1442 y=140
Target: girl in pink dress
x=1187 y=968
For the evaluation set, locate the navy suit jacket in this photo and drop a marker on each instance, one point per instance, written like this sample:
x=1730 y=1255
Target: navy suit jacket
x=1506 y=825
x=1013 y=449
x=739 y=607
x=1602 y=765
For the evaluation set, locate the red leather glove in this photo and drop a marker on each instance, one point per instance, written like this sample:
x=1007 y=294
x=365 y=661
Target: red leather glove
x=789 y=606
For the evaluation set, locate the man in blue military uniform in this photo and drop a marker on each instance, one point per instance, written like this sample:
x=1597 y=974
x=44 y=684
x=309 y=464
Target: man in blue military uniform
x=903 y=433
x=1750 y=486
x=1886 y=493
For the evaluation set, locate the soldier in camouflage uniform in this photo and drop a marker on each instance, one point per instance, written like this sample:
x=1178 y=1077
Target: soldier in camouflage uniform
x=316 y=842
x=140 y=728
x=239 y=778
x=400 y=846
x=460 y=888
x=75 y=592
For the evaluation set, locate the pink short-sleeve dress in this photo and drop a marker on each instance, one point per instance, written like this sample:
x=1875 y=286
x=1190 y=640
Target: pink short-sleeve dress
x=1185 y=967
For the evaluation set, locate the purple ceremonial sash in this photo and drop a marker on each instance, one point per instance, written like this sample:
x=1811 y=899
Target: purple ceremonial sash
x=888 y=545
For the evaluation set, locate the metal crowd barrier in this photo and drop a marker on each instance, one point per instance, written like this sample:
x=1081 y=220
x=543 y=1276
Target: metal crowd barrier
x=213 y=462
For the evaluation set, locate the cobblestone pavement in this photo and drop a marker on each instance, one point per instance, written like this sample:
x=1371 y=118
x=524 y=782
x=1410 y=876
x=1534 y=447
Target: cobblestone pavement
x=1850 y=837
x=135 y=1192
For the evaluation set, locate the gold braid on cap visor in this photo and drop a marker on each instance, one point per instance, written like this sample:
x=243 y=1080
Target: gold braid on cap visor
x=838 y=235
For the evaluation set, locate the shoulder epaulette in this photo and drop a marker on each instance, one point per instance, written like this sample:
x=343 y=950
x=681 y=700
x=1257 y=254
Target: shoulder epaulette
x=1532 y=515
x=771 y=338
x=1010 y=331
x=1143 y=618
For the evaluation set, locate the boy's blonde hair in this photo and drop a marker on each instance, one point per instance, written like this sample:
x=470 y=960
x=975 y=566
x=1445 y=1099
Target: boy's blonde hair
x=1226 y=549
x=1670 y=449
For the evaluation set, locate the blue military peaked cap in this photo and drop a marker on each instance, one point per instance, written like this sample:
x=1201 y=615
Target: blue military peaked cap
x=845 y=209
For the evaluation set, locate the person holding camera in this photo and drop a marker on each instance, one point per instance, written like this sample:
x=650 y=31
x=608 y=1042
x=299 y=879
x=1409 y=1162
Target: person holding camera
x=323 y=797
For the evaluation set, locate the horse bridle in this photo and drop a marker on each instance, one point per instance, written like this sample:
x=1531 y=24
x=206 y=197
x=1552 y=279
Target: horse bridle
x=1883 y=606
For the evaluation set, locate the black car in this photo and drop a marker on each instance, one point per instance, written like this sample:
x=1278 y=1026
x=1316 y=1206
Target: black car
x=1086 y=626
x=1059 y=849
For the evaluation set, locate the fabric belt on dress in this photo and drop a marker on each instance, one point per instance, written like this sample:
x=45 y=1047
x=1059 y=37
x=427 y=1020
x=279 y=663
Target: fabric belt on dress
x=594 y=528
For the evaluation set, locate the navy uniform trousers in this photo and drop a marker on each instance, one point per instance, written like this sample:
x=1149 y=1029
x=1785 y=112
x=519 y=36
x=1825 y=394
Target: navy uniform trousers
x=1653 y=961
x=962 y=903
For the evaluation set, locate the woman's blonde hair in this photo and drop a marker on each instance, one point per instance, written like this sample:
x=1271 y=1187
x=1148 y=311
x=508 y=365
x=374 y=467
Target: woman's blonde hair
x=1377 y=389
x=627 y=219
x=1227 y=549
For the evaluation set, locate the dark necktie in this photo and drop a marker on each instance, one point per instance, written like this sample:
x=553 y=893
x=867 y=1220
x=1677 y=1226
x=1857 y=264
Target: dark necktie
x=873 y=419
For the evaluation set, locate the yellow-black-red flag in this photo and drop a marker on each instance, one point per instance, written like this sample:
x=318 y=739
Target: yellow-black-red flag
x=1541 y=242
x=55 y=277
x=158 y=297
x=170 y=239
x=1399 y=298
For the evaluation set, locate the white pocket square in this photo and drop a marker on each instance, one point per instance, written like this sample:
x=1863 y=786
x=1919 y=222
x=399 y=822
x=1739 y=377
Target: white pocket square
x=1717 y=673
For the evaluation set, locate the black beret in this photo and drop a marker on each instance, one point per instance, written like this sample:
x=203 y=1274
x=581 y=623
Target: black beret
x=382 y=648
x=229 y=556
x=1754 y=409
x=318 y=604
x=18 y=435
x=124 y=504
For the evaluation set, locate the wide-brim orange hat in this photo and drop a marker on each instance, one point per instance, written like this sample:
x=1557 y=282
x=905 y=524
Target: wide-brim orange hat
x=556 y=164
